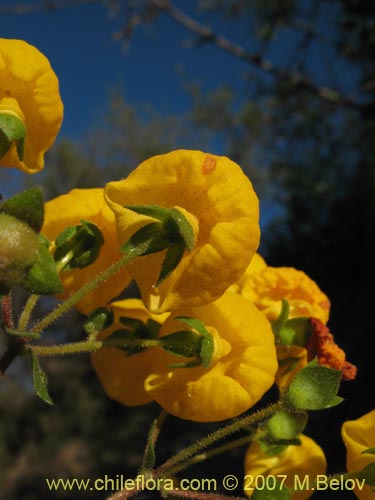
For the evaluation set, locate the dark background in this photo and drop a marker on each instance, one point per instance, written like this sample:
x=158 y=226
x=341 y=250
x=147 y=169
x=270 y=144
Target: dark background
x=297 y=113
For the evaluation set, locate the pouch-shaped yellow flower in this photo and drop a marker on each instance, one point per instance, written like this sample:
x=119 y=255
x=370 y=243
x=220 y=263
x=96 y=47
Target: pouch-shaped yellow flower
x=29 y=91
x=123 y=376
x=359 y=435
x=243 y=366
x=68 y=210
x=305 y=461
x=217 y=198
x=269 y=286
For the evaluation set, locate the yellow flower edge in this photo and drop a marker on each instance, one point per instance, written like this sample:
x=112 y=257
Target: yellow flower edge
x=242 y=370
x=214 y=193
x=358 y=435
x=305 y=460
x=269 y=286
x=121 y=376
x=291 y=360
x=68 y=210
x=29 y=89
x=257 y=264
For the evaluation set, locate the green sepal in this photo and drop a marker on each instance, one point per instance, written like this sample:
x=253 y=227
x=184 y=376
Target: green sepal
x=273 y=492
x=281 y=320
x=173 y=233
x=207 y=341
x=148 y=239
x=184 y=343
x=171 y=216
x=42 y=277
x=79 y=245
x=284 y=425
x=296 y=331
x=12 y=129
x=27 y=206
x=314 y=387
x=98 y=320
x=136 y=330
x=370 y=451
x=173 y=257
x=271 y=449
x=368 y=474
x=149 y=457
x=39 y=377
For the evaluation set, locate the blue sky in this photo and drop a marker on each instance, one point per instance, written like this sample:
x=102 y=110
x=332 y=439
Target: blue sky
x=79 y=43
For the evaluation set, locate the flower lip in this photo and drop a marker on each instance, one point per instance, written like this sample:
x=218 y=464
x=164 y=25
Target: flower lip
x=214 y=191
x=29 y=90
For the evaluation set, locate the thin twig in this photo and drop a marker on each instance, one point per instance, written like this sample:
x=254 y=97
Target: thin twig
x=298 y=80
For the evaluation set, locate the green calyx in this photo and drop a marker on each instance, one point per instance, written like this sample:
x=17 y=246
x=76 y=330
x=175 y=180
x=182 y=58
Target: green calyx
x=136 y=336
x=78 y=246
x=97 y=321
x=295 y=331
x=172 y=233
x=12 y=129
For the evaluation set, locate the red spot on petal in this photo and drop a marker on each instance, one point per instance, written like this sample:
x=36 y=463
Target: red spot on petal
x=208 y=165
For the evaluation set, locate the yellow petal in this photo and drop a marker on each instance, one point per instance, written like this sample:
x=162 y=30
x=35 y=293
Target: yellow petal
x=217 y=194
x=27 y=78
x=68 y=210
x=123 y=376
x=305 y=460
x=267 y=288
x=358 y=435
x=242 y=370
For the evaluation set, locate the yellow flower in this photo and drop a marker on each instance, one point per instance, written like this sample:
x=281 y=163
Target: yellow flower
x=291 y=359
x=123 y=376
x=358 y=435
x=68 y=210
x=242 y=370
x=270 y=285
x=257 y=264
x=219 y=201
x=29 y=91
x=305 y=460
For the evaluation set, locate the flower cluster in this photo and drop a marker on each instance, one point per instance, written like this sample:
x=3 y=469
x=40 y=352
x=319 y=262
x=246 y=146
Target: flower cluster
x=215 y=326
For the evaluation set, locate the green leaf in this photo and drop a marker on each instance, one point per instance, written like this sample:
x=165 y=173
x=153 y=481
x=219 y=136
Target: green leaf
x=314 y=388
x=42 y=277
x=370 y=451
x=27 y=206
x=39 y=378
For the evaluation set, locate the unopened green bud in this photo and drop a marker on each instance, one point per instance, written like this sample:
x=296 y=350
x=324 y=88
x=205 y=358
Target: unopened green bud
x=18 y=250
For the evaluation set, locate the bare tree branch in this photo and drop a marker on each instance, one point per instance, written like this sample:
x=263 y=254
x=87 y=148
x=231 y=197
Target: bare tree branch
x=299 y=81
x=23 y=8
